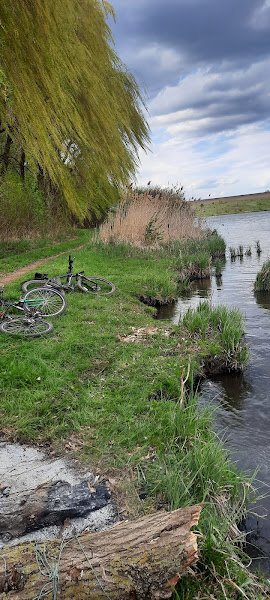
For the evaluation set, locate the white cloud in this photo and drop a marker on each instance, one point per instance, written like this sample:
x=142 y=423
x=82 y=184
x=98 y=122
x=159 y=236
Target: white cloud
x=242 y=168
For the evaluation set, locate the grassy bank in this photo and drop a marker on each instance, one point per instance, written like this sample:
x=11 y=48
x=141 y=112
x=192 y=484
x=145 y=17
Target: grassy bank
x=107 y=387
x=232 y=205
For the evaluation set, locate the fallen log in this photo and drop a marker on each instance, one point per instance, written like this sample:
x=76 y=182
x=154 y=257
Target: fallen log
x=135 y=560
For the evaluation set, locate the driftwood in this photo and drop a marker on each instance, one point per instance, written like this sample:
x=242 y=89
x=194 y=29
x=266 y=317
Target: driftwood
x=135 y=560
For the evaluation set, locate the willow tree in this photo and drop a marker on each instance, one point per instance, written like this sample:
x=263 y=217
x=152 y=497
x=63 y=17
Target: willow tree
x=67 y=100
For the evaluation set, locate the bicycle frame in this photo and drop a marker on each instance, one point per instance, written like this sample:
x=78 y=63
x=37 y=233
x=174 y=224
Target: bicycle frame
x=69 y=275
x=18 y=305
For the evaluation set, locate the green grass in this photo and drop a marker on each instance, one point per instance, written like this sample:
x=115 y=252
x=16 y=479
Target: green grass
x=121 y=400
x=262 y=283
x=229 y=344
x=231 y=206
x=18 y=253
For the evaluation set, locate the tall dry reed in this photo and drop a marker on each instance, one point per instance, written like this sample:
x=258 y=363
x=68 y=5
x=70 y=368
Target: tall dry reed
x=149 y=218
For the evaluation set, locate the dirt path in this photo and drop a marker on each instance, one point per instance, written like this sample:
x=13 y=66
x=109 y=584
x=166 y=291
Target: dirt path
x=10 y=277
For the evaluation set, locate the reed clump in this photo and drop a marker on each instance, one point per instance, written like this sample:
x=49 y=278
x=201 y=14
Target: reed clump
x=262 y=283
x=151 y=217
x=207 y=320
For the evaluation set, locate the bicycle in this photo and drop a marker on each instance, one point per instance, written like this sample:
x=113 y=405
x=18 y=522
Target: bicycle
x=31 y=324
x=71 y=281
x=49 y=302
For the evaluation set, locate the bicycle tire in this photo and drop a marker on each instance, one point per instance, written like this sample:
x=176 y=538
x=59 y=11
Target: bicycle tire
x=48 y=301
x=101 y=286
x=31 y=284
x=22 y=327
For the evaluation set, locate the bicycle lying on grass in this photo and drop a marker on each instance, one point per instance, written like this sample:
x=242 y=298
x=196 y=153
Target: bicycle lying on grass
x=31 y=323
x=71 y=281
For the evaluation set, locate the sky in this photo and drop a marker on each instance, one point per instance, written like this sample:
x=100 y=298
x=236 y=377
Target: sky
x=204 y=69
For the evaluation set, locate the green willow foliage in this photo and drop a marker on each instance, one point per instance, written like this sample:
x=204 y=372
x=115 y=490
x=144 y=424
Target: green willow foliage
x=67 y=100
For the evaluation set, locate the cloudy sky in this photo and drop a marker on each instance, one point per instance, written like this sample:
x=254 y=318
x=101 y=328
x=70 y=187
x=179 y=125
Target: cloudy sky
x=204 y=67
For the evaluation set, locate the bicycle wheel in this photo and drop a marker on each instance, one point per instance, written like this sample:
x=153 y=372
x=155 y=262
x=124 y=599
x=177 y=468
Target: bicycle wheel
x=95 y=285
x=25 y=327
x=46 y=300
x=31 y=284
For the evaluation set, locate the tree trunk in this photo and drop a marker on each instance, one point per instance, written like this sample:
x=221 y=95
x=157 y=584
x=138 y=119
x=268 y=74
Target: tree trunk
x=22 y=165
x=137 y=560
x=5 y=155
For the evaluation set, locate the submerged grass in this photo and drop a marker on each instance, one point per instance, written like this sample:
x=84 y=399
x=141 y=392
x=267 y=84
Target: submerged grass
x=121 y=405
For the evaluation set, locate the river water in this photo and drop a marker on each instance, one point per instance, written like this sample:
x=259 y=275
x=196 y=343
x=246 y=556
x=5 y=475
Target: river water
x=242 y=403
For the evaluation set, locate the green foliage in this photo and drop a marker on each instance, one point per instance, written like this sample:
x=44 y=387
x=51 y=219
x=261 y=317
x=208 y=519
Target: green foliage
x=67 y=100
x=24 y=211
x=21 y=203
x=262 y=283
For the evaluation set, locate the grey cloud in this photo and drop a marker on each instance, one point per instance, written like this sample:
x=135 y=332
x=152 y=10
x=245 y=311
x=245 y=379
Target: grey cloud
x=200 y=31
x=219 y=51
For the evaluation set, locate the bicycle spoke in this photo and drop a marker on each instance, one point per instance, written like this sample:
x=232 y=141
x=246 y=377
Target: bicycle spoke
x=14 y=326
x=26 y=327
x=47 y=301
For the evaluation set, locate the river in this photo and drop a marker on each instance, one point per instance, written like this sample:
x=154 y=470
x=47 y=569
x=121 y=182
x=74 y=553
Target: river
x=242 y=402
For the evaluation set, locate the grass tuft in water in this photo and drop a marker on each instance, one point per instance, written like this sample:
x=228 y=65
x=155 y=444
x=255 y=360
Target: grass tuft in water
x=228 y=324
x=262 y=283
x=258 y=247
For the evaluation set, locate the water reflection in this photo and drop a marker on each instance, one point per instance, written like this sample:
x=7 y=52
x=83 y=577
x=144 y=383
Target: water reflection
x=219 y=281
x=228 y=390
x=263 y=299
